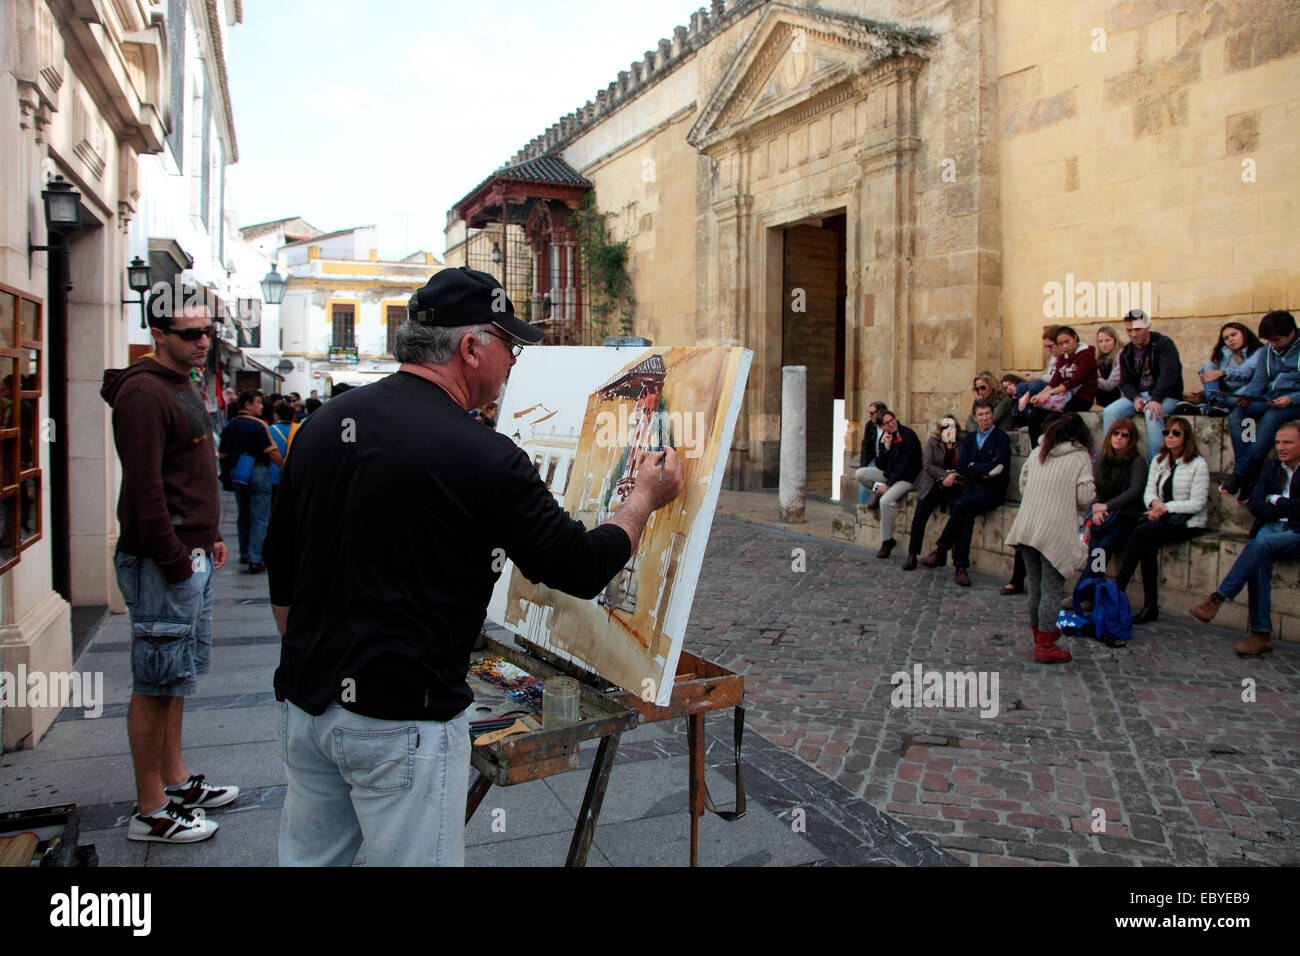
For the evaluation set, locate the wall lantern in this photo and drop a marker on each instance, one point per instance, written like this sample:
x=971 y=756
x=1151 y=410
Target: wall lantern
x=62 y=216
x=273 y=286
x=496 y=253
x=138 y=279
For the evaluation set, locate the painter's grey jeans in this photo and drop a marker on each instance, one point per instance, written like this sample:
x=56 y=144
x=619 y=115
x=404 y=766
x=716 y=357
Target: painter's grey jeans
x=400 y=784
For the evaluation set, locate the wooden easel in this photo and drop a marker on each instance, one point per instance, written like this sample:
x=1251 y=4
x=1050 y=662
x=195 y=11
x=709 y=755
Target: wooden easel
x=699 y=686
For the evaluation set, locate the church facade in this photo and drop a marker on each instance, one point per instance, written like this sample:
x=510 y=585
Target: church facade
x=898 y=194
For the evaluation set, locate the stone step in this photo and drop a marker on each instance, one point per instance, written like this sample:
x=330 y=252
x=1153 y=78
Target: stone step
x=1188 y=572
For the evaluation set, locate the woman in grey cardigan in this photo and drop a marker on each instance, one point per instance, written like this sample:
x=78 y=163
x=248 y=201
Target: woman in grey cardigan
x=1055 y=484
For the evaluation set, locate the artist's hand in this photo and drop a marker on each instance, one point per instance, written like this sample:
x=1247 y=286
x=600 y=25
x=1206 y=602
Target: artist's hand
x=1157 y=510
x=1243 y=402
x=950 y=479
x=1155 y=411
x=648 y=475
x=880 y=488
x=1213 y=375
x=1041 y=398
x=281 y=617
x=1283 y=401
x=1100 y=513
x=219 y=554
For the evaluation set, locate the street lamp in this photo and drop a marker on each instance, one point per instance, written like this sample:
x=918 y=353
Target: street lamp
x=62 y=216
x=62 y=206
x=138 y=280
x=273 y=286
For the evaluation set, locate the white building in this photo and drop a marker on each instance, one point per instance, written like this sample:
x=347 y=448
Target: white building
x=343 y=306
x=127 y=102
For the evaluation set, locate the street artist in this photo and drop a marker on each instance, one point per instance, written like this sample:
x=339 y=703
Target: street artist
x=394 y=510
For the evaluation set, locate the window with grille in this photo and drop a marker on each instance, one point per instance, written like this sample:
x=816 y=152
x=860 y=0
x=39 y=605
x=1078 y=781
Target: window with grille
x=22 y=428
x=396 y=316
x=345 y=323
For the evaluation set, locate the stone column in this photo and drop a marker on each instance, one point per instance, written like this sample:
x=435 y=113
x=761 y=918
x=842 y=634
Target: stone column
x=794 y=452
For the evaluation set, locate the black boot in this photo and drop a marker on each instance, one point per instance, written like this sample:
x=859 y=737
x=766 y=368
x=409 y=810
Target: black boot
x=1148 y=615
x=886 y=546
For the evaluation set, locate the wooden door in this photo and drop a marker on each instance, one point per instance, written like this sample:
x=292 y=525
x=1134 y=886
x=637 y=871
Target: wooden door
x=808 y=337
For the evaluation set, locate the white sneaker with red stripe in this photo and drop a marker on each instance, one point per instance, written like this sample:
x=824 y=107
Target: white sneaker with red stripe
x=174 y=824
x=195 y=793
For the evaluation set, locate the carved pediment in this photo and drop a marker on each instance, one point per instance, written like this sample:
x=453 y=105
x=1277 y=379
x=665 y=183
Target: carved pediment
x=793 y=56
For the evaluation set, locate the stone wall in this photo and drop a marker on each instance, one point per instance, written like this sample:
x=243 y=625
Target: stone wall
x=1149 y=142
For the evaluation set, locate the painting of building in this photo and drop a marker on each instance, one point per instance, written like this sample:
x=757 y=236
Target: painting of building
x=622 y=404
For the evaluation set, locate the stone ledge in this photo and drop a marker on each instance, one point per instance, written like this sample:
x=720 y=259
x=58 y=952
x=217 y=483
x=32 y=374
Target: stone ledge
x=1188 y=572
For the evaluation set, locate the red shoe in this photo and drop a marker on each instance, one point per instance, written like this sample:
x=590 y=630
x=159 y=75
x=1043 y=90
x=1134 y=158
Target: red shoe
x=1045 y=649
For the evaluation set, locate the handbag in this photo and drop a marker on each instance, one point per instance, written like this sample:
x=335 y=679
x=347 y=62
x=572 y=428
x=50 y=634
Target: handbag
x=243 y=470
x=1059 y=400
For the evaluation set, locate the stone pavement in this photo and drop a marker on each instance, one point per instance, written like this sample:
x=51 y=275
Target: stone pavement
x=795 y=816
x=1154 y=741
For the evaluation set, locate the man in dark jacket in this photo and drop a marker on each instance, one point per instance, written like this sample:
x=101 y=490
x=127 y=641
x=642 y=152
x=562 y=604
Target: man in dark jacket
x=168 y=548
x=870 y=448
x=1150 y=380
x=1275 y=536
x=898 y=462
x=983 y=467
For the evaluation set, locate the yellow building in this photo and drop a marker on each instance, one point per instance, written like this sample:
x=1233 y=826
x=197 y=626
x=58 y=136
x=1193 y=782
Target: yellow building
x=898 y=193
x=342 y=308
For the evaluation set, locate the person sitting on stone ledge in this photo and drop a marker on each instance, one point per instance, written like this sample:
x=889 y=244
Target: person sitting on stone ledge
x=1275 y=536
x=1271 y=397
x=1151 y=379
x=1108 y=370
x=897 y=465
x=985 y=386
x=1177 y=500
x=1120 y=477
x=1071 y=388
x=870 y=448
x=937 y=486
x=1231 y=365
x=1035 y=382
x=983 y=464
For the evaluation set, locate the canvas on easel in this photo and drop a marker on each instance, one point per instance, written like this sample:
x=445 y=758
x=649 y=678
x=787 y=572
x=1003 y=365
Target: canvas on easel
x=585 y=416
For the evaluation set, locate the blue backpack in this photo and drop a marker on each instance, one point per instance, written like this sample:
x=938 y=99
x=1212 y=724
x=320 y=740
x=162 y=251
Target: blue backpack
x=1111 y=619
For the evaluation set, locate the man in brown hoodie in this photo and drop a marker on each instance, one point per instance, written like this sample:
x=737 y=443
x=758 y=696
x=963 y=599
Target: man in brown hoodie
x=169 y=547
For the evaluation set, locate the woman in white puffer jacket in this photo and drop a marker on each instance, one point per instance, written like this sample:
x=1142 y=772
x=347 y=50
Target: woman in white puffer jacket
x=1177 y=497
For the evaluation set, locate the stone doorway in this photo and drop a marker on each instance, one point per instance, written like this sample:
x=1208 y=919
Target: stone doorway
x=814 y=292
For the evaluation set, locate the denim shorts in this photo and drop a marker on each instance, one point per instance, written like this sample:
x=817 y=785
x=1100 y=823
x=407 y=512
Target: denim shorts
x=171 y=625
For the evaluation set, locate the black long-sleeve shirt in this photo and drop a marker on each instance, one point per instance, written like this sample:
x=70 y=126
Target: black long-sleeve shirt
x=383 y=544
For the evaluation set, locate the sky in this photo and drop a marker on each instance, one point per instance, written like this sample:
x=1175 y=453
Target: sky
x=386 y=112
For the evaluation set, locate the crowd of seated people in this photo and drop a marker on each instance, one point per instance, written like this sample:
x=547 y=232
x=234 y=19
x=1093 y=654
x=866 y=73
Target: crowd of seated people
x=1129 y=501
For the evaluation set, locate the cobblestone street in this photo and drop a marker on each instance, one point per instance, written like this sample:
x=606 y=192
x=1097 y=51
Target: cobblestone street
x=1155 y=736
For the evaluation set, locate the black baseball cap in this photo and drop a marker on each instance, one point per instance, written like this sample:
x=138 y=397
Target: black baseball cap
x=465 y=296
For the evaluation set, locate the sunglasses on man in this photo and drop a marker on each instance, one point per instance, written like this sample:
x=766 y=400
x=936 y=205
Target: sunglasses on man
x=193 y=335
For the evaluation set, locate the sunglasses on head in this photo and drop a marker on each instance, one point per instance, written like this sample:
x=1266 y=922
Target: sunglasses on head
x=193 y=335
